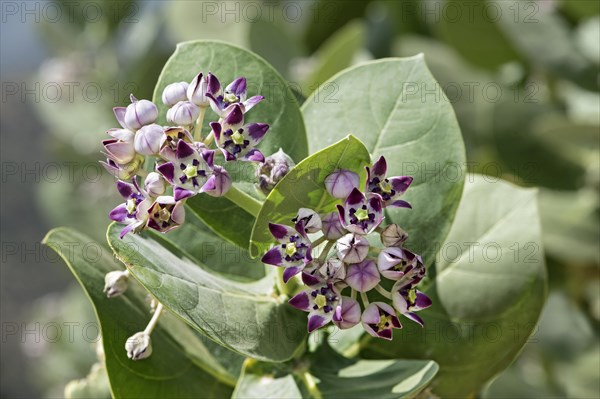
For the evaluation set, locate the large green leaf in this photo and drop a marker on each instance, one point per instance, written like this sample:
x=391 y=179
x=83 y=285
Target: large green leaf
x=248 y=318
x=279 y=109
x=172 y=369
x=339 y=377
x=304 y=187
x=266 y=380
x=385 y=105
x=488 y=293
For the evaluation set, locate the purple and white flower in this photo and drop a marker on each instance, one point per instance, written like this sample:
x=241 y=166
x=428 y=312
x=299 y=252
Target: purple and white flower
x=166 y=214
x=137 y=114
x=395 y=263
x=379 y=319
x=332 y=271
x=133 y=212
x=388 y=188
x=273 y=169
x=322 y=304
x=154 y=185
x=310 y=218
x=238 y=143
x=188 y=171
x=293 y=251
x=201 y=88
x=148 y=138
x=361 y=214
x=218 y=183
x=393 y=236
x=123 y=171
x=235 y=93
x=407 y=300
x=183 y=113
x=349 y=314
x=332 y=226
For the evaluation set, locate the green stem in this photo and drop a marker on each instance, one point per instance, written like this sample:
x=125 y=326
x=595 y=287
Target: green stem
x=365 y=299
x=244 y=201
x=325 y=252
x=311 y=385
x=199 y=122
x=154 y=320
x=383 y=291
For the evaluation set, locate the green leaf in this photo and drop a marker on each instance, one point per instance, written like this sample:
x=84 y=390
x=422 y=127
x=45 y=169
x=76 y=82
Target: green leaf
x=248 y=318
x=266 y=380
x=383 y=103
x=340 y=377
x=488 y=293
x=279 y=109
x=304 y=186
x=336 y=54
x=170 y=369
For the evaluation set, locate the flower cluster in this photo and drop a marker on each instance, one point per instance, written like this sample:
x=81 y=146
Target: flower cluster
x=185 y=164
x=347 y=261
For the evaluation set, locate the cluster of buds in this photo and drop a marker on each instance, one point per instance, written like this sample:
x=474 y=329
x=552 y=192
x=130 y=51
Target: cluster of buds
x=347 y=261
x=185 y=162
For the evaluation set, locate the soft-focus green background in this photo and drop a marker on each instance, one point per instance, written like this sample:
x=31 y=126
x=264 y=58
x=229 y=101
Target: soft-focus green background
x=522 y=76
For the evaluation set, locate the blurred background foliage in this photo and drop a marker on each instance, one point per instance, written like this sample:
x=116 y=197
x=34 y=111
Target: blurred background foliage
x=523 y=78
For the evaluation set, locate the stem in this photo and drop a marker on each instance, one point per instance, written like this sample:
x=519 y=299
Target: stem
x=209 y=139
x=154 y=319
x=311 y=385
x=318 y=241
x=364 y=298
x=383 y=291
x=353 y=293
x=325 y=252
x=198 y=128
x=244 y=201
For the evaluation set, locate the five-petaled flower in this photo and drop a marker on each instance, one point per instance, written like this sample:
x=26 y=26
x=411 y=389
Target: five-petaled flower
x=134 y=212
x=294 y=251
x=234 y=94
x=361 y=214
x=388 y=188
x=322 y=304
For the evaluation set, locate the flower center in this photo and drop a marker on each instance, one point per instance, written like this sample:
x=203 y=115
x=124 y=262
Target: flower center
x=237 y=138
x=321 y=300
x=130 y=206
x=385 y=187
x=362 y=214
x=164 y=215
x=412 y=295
x=230 y=98
x=290 y=249
x=191 y=171
x=384 y=322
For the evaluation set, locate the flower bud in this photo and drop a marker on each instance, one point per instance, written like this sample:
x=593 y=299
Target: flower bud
x=183 y=113
x=148 y=139
x=140 y=113
x=154 y=184
x=332 y=226
x=363 y=276
x=393 y=236
x=310 y=219
x=352 y=248
x=200 y=87
x=349 y=314
x=174 y=93
x=139 y=346
x=273 y=169
x=341 y=183
x=121 y=152
x=115 y=283
x=218 y=184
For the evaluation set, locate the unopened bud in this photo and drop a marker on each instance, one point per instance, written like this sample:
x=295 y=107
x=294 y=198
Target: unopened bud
x=139 y=346
x=340 y=184
x=154 y=184
x=273 y=169
x=201 y=86
x=352 y=248
x=183 y=113
x=115 y=283
x=140 y=113
x=332 y=226
x=148 y=139
x=393 y=236
x=174 y=93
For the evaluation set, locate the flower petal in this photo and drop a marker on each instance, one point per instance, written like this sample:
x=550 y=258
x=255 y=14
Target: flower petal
x=273 y=257
x=167 y=169
x=316 y=322
x=301 y=301
x=363 y=276
x=290 y=272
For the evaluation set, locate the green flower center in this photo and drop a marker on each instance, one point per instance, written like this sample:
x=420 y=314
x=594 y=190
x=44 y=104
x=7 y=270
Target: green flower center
x=412 y=295
x=130 y=206
x=230 y=98
x=320 y=300
x=384 y=322
x=385 y=186
x=290 y=248
x=164 y=215
x=237 y=138
x=362 y=214
x=191 y=171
